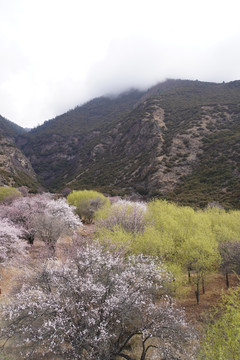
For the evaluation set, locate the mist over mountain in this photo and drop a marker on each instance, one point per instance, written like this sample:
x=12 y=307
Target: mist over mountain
x=178 y=140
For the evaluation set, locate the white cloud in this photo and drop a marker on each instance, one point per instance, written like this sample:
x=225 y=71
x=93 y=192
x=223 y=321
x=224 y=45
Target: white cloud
x=56 y=54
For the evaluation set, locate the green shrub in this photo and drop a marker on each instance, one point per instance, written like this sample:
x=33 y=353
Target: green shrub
x=147 y=242
x=222 y=337
x=8 y=194
x=87 y=202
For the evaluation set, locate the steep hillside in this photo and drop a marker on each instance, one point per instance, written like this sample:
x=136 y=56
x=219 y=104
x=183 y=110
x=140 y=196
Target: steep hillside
x=9 y=129
x=59 y=147
x=178 y=140
x=15 y=169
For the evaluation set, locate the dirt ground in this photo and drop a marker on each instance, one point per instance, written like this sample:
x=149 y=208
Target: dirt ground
x=215 y=286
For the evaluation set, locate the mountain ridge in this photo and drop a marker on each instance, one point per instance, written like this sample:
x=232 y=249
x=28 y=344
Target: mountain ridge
x=177 y=140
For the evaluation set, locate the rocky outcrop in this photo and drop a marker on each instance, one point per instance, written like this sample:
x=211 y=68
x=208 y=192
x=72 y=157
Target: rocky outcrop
x=15 y=168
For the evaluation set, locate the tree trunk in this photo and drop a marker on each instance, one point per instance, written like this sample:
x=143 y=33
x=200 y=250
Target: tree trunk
x=203 y=286
x=189 y=276
x=197 y=291
x=227 y=280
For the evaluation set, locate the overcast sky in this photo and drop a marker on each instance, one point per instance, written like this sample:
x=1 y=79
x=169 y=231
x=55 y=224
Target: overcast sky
x=56 y=54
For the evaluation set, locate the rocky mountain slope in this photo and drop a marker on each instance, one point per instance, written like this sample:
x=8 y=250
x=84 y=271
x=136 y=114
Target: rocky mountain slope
x=178 y=140
x=15 y=169
x=59 y=147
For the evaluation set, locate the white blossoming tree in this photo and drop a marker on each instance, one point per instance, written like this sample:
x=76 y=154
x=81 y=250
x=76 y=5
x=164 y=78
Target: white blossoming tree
x=22 y=211
x=94 y=306
x=56 y=220
x=43 y=217
x=129 y=215
x=11 y=245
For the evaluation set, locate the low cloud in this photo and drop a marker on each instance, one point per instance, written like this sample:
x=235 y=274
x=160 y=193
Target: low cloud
x=59 y=54
x=142 y=62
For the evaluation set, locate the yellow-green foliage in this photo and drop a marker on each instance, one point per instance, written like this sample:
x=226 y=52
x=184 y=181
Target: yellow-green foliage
x=153 y=242
x=225 y=225
x=172 y=221
x=192 y=243
x=178 y=234
x=150 y=242
x=147 y=243
x=185 y=239
x=8 y=193
x=185 y=225
x=87 y=202
x=102 y=213
x=117 y=237
x=222 y=337
x=199 y=252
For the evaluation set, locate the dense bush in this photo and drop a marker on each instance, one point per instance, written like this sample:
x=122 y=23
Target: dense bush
x=225 y=224
x=87 y=202
x=8 y=194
